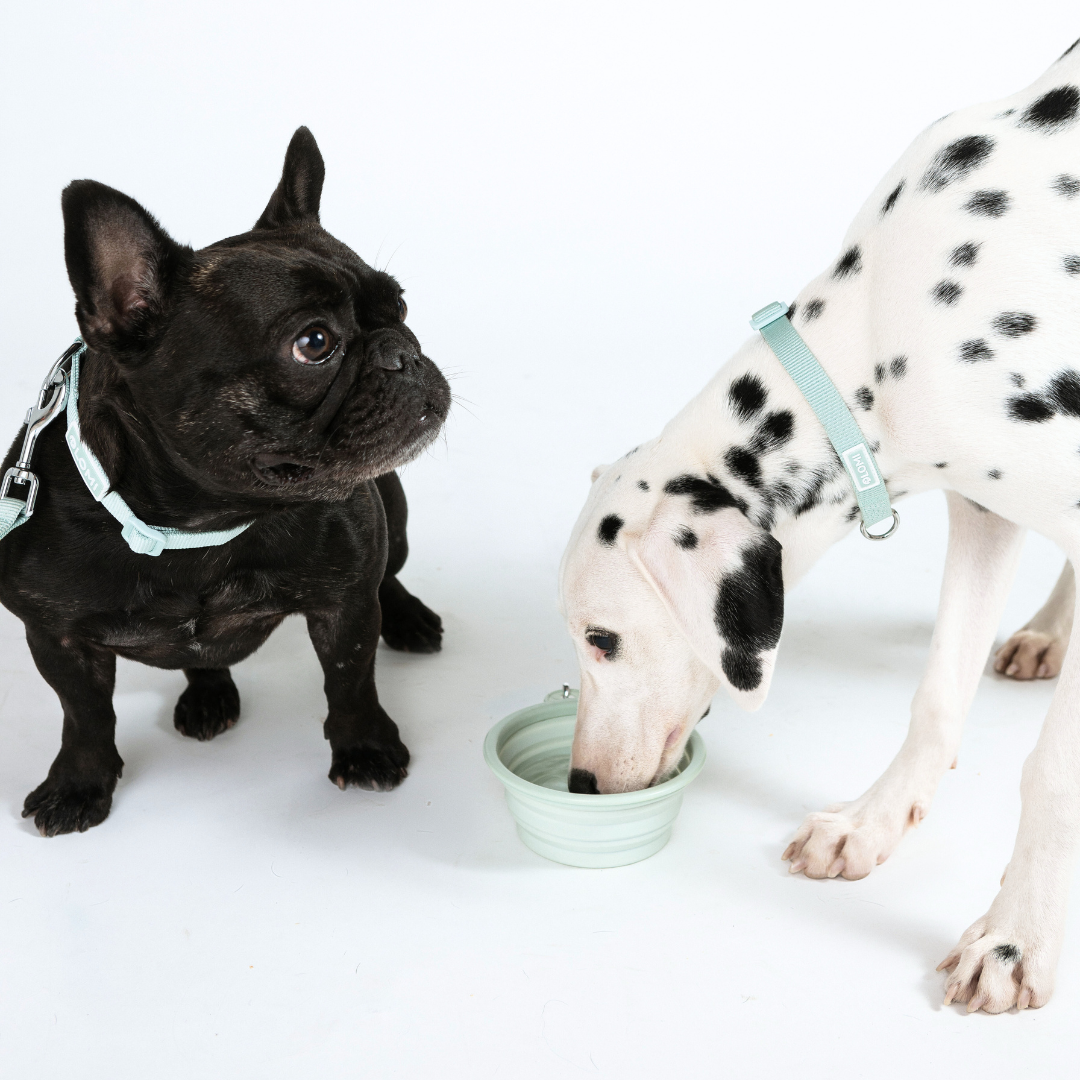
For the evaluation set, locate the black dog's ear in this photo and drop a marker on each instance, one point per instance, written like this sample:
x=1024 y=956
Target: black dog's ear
x=119 y=260
x=297 y=197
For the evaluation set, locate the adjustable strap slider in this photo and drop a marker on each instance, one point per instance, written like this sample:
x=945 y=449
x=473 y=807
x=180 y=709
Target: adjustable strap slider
x=768 y=314
x=143 y=539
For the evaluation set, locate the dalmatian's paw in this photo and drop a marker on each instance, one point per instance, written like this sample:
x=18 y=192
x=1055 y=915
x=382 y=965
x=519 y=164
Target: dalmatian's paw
x=850 y=839
x=1031 y=654
x=995 y=966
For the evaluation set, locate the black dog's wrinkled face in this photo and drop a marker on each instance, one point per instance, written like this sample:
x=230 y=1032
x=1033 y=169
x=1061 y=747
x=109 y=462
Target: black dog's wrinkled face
x=272 y=363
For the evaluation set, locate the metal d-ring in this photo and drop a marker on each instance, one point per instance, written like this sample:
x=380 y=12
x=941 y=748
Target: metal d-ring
x=881 y=536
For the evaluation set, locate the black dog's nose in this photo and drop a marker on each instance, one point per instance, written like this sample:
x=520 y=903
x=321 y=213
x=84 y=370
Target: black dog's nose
x=583 y=782
x=391 y=356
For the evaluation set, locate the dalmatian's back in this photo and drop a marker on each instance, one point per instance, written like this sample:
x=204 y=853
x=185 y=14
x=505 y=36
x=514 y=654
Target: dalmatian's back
x=954 y=307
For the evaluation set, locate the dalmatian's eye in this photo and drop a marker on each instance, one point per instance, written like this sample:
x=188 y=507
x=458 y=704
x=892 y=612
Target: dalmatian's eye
x=604 y=641
x=402 y=308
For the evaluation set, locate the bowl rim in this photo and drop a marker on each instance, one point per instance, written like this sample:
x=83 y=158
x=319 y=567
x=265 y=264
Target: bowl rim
x=551 y=710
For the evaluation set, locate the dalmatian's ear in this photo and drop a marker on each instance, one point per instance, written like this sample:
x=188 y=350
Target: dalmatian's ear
x=720 y=578
x=599 y=471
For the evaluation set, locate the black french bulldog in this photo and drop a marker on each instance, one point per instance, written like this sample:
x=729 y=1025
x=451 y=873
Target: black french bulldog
x=270 y=379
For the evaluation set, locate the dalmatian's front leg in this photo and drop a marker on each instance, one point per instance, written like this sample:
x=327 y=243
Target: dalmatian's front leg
x=1008 y=957
x=1036 y=651
x=851 y=839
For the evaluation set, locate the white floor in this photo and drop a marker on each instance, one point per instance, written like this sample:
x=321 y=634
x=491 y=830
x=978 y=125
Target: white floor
x=585 y=202
x=239 y=916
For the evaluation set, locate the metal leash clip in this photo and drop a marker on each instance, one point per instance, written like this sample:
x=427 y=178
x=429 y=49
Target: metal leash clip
x=51 y=400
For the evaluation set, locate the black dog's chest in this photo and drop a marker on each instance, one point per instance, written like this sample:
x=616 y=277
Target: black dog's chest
x=188 y=629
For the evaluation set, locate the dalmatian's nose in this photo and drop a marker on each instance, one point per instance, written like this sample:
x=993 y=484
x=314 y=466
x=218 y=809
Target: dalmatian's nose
x=583 y=782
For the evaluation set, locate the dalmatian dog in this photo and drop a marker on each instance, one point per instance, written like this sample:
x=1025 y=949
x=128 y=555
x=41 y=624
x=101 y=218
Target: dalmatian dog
x=949 y=323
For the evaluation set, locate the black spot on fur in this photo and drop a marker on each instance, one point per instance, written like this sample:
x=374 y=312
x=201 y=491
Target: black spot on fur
x=747 y=396
x=813 y=309
x=775 y=430
x=1055 y=110
x=582 y=782
x=864 y=398
x=1069 y=49
x=1014 y=323
x=609 y=529
x=749 y=613
x=1017 y=380
x=706 y=496
x=947 y=292
x=850 y=263
x=879 y=373
x=744 y=464
x=1067 y=185
x=1064 y=391
x=791 y=312
x=812 y=495
x=890 y=199
x=988 y=203
x=955 y=161
x=1002 y=115
x=994 y=474
x=1071 y=264
x=686 y=538
x=853 y=513
x=1007 y=954
x=941 y=464
x=972 y=351
x=964 y=255
x=898 y=367
x=643 y=484
x=1030 y=408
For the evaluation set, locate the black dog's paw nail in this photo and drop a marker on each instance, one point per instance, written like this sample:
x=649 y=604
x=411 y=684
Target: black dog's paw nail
x=58 y=808
x=411 y=626
x=205 y=711
x=371 y=768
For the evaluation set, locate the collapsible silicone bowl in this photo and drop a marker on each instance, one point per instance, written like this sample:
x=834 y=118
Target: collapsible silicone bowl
x=529 y=752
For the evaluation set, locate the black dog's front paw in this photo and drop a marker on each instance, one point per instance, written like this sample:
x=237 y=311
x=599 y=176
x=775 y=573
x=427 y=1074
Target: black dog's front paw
x=69 y=806
x=209 y=706
x=408 y=624
x=375 y=768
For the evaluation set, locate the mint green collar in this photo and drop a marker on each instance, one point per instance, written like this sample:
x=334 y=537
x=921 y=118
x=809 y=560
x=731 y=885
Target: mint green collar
x=823 y=397
x=143 y=539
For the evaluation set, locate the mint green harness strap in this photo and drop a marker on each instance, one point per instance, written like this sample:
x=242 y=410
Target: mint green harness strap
x=823 y=397
x=12 y=514
x=143 y=539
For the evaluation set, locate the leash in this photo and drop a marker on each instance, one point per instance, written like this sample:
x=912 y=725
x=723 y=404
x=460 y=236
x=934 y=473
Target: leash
x=841 y=427
x=61 y=387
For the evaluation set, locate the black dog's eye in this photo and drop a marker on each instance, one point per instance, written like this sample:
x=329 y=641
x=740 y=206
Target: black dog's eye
x=313 y=346
x=402 y=308
x=607 y=643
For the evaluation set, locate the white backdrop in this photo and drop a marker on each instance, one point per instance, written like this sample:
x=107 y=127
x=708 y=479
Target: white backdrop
x=584 y=202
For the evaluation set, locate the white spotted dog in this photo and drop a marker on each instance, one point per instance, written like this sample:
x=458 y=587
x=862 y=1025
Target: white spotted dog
x=950 y=325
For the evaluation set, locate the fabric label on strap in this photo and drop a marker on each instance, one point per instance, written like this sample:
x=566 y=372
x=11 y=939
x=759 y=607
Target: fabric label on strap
x=861 y=467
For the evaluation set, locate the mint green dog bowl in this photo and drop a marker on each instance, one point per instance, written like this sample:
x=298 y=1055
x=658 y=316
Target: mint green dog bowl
x=529 y=752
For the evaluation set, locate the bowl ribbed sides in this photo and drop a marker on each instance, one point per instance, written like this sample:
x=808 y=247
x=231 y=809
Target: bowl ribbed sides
x=594 y=839
x=529 y=751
